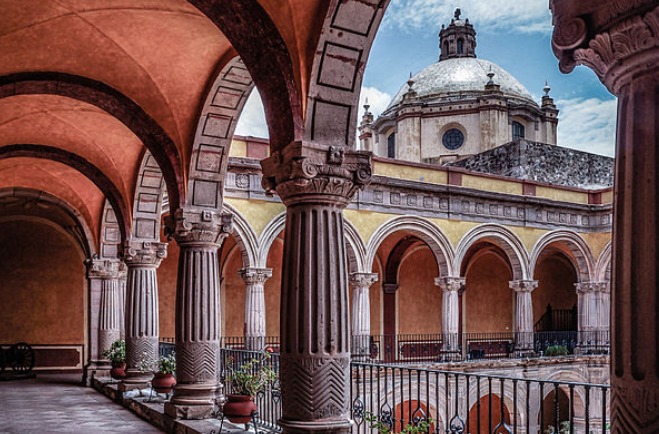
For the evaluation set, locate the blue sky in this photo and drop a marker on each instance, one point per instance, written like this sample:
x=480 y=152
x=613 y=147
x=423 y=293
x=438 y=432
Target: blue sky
x=514 y=35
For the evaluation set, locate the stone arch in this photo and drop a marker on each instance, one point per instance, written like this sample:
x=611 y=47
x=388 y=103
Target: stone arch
x=148 y=202
x=268 y=236
x=78 y=163
x=421 y=228
x=603 y=265
x=217 y=122
x=245 y=238
x=116 y=104
x=578 y=252
x=503 y=238
x=110 y=242
x=81 y=233
x=356 y=249
x=563 y=376
x=267 y=58
x=338 y=69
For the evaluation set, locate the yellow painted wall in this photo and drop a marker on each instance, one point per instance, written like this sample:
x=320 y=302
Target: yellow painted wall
x=42 y=285
x=257 y=213
x=491 y=184
x=412 y=173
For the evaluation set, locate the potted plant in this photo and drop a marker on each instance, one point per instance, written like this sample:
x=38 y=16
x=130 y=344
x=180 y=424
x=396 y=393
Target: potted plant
x=556 y=350
x=116 y=354
x=421 y=426
x=245 y=382
x=163 y=369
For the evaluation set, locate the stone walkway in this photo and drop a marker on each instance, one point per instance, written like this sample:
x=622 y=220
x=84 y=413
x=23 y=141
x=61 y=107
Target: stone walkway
x=58 y=404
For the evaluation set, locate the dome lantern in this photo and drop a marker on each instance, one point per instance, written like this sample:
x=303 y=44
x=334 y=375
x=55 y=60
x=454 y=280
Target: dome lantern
x=458 y=39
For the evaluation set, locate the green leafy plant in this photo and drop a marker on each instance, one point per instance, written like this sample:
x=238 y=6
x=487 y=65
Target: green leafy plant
x=564 y=427
x=164 y=365
x=250 y=377
x=117 y=352
x=556 y=350
x=420 y=427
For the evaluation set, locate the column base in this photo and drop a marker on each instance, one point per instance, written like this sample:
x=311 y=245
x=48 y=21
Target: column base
x=328 y=427
x=190 y=412
x=135 y=380
x=192 y=401
x=95 y=369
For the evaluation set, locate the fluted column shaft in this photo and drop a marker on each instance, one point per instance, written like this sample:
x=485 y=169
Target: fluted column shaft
x=109 y=321
x=315 y=183
x=523 y=313
x=255 y=332
x=451 y=287
x=361 y=313
x=199 y=235
x=142 y=316
x=620 y=42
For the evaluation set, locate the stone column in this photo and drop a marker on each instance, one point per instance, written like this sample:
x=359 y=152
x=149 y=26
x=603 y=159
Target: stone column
x=361 y=314
x=199 y=235
x=122 y=303
x=587 y=313
x=105 y=314
x=603 y=314
x=523 y=313
x=315 y=183
x=255 y=279
x=142 y=319
x=451 y=287
x=620 y=42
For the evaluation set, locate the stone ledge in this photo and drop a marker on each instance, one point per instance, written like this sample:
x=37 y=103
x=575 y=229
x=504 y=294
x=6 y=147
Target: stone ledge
x=151 y=409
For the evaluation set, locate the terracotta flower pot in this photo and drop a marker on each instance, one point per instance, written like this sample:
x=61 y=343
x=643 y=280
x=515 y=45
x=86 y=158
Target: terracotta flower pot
x=118 y=371
x=239 y=408
x=163 y=383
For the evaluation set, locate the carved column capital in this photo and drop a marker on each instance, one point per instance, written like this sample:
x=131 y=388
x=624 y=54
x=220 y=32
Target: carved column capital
x=451 y=284
x=198 y=227
x=140 y=253
x=363 y=280
x=584 y=287
x=105 y=269
x=255 y=275
x=305 y=172
x=617 y=39
x=523 y=285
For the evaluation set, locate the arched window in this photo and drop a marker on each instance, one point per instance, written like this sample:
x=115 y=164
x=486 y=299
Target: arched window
x=391 y=145
x=445 y=48
x=518 y=131
x=460 y=46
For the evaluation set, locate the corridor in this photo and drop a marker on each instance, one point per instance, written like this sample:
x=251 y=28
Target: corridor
x=58 y=404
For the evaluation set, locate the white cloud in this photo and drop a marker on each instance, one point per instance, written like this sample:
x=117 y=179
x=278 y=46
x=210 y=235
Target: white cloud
x=588 y=124
x=252 y=119
x=377 y=99
x=503 y=15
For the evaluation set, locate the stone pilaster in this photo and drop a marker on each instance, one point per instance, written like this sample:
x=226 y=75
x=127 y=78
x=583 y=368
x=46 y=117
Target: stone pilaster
x=361 y=314
x=523 y=313
x=603 y=312
x=593 y=307
x=105 y=314
x=255 y=279
x=142 y=321
x=620 y=42
x=315 y=183
x=451 y=287
x=199 y=235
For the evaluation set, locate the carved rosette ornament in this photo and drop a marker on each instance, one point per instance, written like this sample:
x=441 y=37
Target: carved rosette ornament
x=620 y=42
x=199 y=235
x=315 y=183
x=361 y=313
x=142 y=319
x=255 y=279
x=451 y=287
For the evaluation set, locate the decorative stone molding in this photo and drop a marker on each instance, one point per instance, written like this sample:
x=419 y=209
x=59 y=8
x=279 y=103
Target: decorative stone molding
x=451 y=284
x=144 y=253
x=189 y=227
x=105 y=269
x=523 y=285
x=305 y=171
x=253 y=276
x=617 y=43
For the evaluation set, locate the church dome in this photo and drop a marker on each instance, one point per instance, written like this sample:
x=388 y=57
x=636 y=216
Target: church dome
x=462 y=77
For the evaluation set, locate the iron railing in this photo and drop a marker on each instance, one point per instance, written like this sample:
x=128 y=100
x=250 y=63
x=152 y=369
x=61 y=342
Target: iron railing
x=452 y=402
x=165 y=346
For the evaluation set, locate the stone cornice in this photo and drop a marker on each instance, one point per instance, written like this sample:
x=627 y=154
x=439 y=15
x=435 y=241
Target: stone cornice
x=192 y=227
x=105 y=269
x=305 y=172
x=144 y=253
x=617 y=39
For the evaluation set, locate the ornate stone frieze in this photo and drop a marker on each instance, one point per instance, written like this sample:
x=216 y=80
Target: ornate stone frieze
x=188 y=226
x=105 y=269
x=304 y=170
x=136 y=253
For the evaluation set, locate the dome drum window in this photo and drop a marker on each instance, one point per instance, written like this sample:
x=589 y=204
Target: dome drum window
x=453 y=139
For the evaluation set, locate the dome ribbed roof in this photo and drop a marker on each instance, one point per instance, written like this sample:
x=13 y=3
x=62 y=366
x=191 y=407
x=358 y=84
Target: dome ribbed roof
x=464 y=75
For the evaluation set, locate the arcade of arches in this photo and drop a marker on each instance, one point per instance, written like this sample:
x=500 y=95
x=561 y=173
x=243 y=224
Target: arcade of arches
x=113 y=115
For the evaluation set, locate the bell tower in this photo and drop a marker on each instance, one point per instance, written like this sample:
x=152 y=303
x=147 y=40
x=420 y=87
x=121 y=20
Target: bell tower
x=458 y=39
